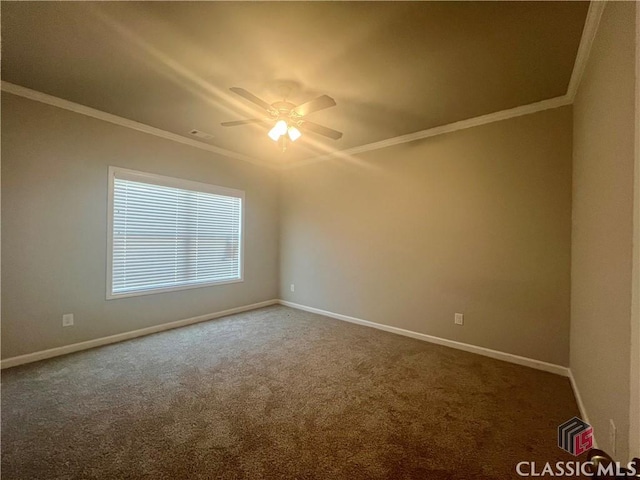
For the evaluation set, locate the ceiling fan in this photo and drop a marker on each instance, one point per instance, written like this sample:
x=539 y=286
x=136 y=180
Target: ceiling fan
x=289 y=118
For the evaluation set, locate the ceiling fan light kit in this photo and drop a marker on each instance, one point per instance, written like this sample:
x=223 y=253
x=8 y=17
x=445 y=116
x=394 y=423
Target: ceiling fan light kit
x=294 y=133
x=288 y=117
x=279 y=129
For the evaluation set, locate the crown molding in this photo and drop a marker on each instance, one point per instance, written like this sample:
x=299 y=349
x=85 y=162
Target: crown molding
x=124 y=122
x=451 y=127
x=586 y=42
x=592 y=20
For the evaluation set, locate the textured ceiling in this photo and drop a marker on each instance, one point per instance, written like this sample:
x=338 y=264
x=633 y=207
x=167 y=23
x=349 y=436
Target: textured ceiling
x=393 y=67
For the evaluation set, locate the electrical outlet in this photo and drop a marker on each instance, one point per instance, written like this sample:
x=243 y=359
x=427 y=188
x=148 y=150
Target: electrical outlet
x=612 y=438
x=459 y=319
x=67 y=320
x=293 y=287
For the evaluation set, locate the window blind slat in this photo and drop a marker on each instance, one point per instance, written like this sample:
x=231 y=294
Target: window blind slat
x=166 y=237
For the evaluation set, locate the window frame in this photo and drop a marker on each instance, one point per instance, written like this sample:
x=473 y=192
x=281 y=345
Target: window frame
x=161 y=180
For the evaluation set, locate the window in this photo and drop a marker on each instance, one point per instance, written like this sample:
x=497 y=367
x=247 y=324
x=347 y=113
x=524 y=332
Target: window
x=168 y=234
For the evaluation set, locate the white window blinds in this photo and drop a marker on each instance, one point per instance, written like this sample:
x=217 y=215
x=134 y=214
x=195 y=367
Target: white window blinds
x=169 y=234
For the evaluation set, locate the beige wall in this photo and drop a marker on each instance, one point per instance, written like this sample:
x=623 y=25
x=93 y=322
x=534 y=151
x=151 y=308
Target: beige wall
x=476 y=221
x=602 y=231
x=54 y=219
x=634 y=401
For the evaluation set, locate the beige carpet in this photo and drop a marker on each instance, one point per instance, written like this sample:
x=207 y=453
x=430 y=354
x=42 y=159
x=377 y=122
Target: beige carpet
x=281 y=394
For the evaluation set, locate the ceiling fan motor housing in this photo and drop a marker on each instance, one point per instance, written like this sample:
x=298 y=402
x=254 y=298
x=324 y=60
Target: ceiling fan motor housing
x=285 y=111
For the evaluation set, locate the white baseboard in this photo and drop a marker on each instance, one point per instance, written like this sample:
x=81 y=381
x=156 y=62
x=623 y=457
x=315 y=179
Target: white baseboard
x=508 y=357
x=76 y=347
x=576 y=392
x=581 y=407
x=487 y=352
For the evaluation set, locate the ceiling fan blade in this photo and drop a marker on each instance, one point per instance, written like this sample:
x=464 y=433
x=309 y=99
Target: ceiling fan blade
x=320 y=103
x=251 y=97
x=243 y=122
x=320 y=129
